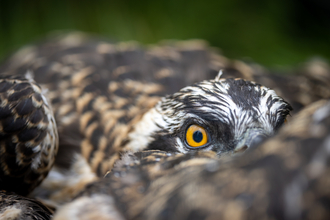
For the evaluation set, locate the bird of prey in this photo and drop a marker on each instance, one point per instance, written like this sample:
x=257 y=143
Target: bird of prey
x=108 y=99
x=287 y=177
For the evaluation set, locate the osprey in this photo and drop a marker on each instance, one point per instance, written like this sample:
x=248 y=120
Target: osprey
x=283 y=178
x=108 y=99
x=220 y=115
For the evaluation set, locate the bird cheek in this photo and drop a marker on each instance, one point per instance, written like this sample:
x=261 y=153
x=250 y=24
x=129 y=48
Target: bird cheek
x=180 y=146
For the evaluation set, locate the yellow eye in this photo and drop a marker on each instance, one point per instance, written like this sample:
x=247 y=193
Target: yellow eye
x=196 y=136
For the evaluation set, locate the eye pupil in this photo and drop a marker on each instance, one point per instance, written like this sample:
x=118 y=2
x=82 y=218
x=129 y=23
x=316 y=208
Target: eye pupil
x=198 y=136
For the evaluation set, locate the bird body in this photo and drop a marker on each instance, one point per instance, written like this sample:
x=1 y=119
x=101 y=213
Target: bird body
x=283 y=178
x=18 y=207
x=105 y=97
x=29 y=139
x=118 y=104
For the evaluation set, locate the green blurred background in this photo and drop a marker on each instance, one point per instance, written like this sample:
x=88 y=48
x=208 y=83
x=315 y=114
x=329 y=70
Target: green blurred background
x=274 y=33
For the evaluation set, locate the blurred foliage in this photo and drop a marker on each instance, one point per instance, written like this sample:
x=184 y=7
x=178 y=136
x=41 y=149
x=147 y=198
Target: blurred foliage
x=275 y=33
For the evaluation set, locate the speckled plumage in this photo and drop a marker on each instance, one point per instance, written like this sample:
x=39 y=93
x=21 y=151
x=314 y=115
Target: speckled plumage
x=100 y=93
x=284 y=178
x=28 y=135
x=16 y=207
x=99 y=90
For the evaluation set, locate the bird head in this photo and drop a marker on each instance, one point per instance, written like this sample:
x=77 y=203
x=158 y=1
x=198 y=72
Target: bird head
x=221 y=115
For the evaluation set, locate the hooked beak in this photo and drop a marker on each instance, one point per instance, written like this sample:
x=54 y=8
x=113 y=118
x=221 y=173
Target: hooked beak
x=252 y=138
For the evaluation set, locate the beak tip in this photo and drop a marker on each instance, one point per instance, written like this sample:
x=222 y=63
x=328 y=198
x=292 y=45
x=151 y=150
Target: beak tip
x=257 y=140
x=241 y=149
x=250 y=143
